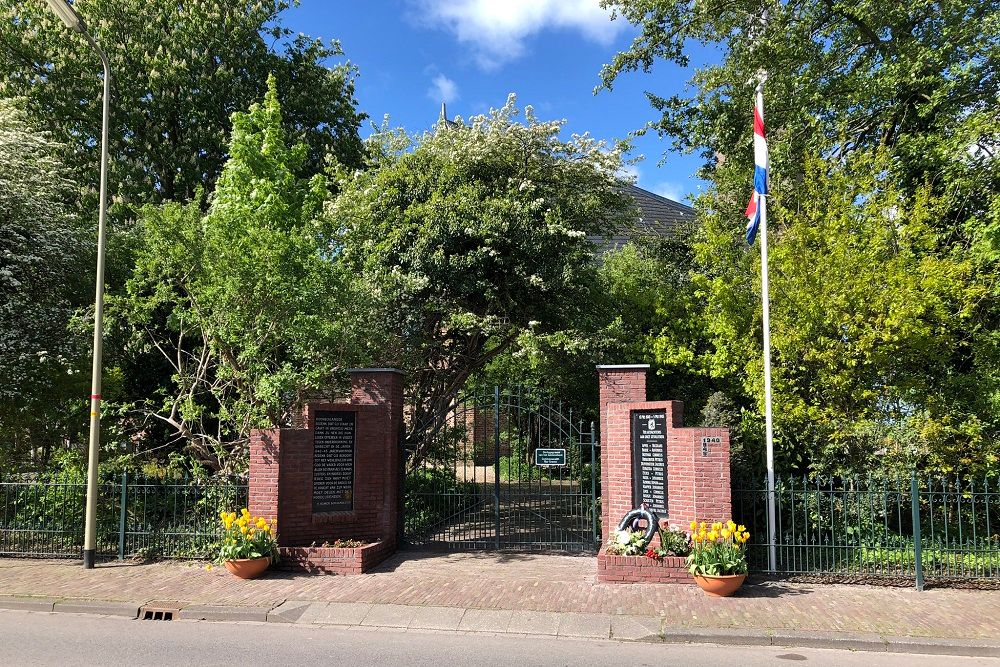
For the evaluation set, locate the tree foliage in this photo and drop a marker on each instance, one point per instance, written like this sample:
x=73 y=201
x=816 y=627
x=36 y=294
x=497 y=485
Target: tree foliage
x=467 y=236
x=882 y=128
x=179 y=71
x=44 y=272
x=242 y=302
x=877 y=344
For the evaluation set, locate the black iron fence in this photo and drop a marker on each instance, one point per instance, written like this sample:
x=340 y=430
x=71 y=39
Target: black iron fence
x=939 y=528
x=136 y=516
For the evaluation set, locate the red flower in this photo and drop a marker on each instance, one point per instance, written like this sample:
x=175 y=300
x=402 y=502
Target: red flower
x=652 y=554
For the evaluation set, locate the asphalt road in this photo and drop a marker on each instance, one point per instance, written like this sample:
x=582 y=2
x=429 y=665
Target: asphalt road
x=34 y=638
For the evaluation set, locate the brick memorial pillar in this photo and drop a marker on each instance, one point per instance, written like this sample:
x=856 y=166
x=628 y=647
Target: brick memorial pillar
x=647 y=455
x=618 y=384
x=338 y=478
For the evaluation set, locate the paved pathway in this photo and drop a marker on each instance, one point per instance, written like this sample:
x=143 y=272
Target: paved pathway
x=525 y=584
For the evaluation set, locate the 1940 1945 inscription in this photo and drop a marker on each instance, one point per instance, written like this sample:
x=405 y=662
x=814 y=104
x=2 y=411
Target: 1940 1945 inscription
x=649 y=460
x=333 y=461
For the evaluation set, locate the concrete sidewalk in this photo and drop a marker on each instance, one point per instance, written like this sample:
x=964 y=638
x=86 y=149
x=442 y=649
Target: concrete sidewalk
x=523 y=595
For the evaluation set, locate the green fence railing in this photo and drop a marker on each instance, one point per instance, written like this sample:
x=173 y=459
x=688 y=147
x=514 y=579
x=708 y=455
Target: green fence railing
x=941 y=528
x=137 y=516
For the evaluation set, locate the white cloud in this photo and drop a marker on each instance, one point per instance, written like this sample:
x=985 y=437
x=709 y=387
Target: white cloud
x=670 y=190
x=496 y=30
x=443 y=89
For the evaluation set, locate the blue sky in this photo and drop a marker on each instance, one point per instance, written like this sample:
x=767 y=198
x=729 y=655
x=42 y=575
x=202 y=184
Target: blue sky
x=413 y=54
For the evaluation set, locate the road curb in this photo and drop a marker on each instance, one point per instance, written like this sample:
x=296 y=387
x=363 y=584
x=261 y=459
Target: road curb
x=204 y=612
x=294 y=612
x=98 y=607
x=27 y=604
x=971 y=648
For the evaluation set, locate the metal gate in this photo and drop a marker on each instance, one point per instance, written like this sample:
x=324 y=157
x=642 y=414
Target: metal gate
x=506 y=470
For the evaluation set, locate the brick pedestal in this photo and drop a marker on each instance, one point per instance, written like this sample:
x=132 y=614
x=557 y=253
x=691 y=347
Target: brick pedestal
x=281 y=480
x=697 y=471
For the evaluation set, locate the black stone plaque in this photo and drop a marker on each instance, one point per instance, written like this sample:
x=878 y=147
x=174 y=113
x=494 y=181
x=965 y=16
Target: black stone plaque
x=649 y=460
x=333 y=461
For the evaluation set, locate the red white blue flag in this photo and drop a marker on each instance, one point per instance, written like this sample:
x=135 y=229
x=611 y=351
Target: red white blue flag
x=759 y=169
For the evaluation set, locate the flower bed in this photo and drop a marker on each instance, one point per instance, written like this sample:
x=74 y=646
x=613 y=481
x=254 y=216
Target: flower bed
x=642 y=569
x=334 y=560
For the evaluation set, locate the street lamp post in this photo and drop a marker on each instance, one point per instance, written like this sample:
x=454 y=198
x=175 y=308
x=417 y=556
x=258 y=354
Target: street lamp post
x=65 y=12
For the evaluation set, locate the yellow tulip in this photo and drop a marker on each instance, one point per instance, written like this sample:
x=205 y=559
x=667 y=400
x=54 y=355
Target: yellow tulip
x=703 y=525
x=694 y=526
x=726 y=533
x=713 y=536
x=741 y=528
x=730 y=525
x=243 y=530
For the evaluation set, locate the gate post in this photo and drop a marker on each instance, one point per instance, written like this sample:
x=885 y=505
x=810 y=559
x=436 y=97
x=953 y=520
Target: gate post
x=496 y=462
x=593 y=487
x=336 y=478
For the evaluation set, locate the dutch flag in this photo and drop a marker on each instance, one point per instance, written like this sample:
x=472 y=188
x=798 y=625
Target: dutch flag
x=759 y=170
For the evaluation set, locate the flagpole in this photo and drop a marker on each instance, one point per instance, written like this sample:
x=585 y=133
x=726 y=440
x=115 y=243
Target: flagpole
x=772 y=561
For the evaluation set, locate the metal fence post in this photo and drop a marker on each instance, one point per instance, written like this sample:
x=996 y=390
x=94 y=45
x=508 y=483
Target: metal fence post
x=496 y=462
x=917 y=546
x=594 y=466
x=121 y=518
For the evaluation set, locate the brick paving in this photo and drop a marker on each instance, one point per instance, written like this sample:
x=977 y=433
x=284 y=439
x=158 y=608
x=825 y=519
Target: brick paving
x=528 y=583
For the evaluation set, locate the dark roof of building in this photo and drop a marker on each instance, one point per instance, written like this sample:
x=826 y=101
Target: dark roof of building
x=658 y=217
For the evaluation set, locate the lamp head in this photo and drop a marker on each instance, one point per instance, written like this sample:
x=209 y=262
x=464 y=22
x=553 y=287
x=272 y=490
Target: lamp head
x=64 y=11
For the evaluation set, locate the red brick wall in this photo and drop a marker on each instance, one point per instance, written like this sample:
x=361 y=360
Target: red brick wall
x=265 y=458
x=281 y=468
x=639 y=569
x=616 y=458
x=331 y=560
x=698 y=486
x=618 y=384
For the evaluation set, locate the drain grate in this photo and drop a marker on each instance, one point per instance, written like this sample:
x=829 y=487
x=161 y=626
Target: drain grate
x=160 y=611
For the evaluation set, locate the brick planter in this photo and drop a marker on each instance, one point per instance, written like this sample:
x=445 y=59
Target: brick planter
x=332 y=560
x=639 y=570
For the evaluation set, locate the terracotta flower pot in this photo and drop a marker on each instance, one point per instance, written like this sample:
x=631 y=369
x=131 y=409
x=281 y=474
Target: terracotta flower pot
x=248 y=568
x=720 y=587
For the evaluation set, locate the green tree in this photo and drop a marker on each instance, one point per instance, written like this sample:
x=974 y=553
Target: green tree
x=180 y=70
x=912 y=89
x=44 y=275
x=243 y=302
x=919 y=76
x=465 y=237
x=878 y=356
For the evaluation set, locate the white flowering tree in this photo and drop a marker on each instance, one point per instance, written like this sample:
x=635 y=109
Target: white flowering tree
x=465 y=237
x=44 y=274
